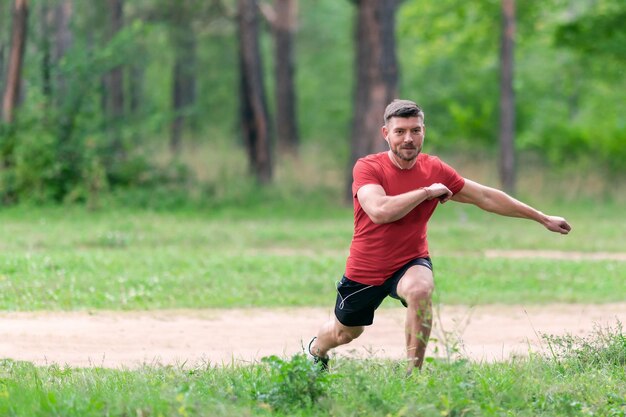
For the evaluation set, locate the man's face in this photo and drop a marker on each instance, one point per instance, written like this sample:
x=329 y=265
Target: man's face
x=405 y=136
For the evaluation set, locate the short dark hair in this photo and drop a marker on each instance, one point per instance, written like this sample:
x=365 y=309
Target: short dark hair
x=402 y=108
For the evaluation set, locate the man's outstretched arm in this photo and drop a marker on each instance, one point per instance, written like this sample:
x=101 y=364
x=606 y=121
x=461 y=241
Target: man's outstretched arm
x=496 y=201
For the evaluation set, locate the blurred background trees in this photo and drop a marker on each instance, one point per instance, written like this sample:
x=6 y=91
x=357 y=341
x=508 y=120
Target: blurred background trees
x=189 y=97
x=376 y=77
x=507 y=97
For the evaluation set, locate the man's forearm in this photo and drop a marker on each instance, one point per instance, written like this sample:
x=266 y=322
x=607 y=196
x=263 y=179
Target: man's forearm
x=498 y=202
x=392 y=208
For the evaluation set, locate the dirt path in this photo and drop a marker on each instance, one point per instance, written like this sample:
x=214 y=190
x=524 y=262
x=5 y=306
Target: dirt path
x=195 y=337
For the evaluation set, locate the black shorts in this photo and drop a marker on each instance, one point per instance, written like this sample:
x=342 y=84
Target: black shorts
x=357 y=302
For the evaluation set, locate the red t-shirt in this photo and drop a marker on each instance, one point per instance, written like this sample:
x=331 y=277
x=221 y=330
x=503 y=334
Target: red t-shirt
x=379 y=250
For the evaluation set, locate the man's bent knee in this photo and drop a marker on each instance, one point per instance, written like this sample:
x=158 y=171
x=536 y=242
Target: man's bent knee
x=416 y=286
x=346 y=334
x=419 y=295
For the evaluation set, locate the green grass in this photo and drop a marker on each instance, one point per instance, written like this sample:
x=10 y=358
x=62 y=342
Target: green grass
x=583 y=377
x=67 y=258
x=72 y=259
x=133 y=280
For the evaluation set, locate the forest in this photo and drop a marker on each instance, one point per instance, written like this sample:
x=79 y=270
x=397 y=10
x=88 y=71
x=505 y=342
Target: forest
x=209 y=100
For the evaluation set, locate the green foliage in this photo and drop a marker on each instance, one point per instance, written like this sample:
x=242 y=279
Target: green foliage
x=568 y=80
x=7 y=176
x=579 y=123
x=324 y=74
x=60 y=151
x=449 y=55
x=292 y=384
x=568 y=105
x=598 y=32
x=35 y=165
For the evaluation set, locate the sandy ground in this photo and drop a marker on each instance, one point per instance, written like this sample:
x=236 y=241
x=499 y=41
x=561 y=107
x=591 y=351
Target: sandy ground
x=198 y=337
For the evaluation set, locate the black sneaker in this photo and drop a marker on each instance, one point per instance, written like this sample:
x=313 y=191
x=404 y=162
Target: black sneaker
x=318 y=361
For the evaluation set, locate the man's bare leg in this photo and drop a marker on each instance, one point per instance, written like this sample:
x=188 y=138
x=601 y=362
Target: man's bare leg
x=416 y=288
x=418 y=325
x=333 y=334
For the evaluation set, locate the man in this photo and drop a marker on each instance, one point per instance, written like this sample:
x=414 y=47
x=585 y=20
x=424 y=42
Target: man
x=394 y=195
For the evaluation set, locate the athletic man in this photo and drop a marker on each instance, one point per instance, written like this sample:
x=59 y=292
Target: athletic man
x=394 y=194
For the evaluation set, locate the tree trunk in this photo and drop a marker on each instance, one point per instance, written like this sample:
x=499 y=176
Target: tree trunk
x=16 y=59
x=507 y=98
x=135 y=88
x=184 y=77
x=56 y=39
x=62 y=42
x=66 y=105
x=44 y=36
x=253 y=111
x=2 y=49
x=286 y=115
x=376 y=72
x=114 y=85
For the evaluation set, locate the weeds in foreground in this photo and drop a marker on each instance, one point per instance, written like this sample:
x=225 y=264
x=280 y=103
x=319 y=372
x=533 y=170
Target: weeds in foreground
x=604 y=347
x=580 y=377
x=292 y=383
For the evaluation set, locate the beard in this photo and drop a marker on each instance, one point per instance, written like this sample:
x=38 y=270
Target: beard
x=407 y=153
